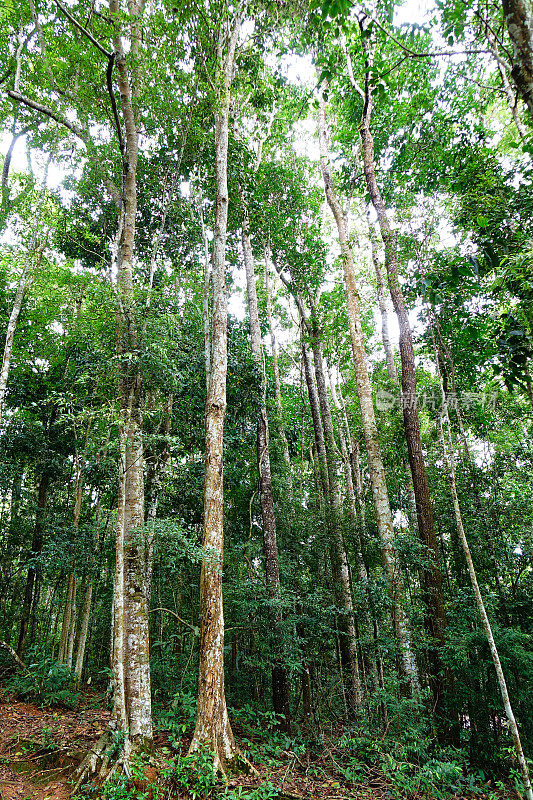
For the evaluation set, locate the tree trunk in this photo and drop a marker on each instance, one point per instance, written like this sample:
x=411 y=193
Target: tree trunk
x=357 y=523
x=205 y=302
x=27 y=271
x=66 y=623
x=449 y=456
x=364 y=391
x=131 y=665
x=341 y=575
x=277 y=383
x=382 y=303
x=68 y=627
x=213 y=728
x=72 y=631
x=431 y=575
x=84 y=628
x=323 y=424
x=519 y=21
x=280 y=681
x=353 y=457
x=157 y=468
x=31 y=579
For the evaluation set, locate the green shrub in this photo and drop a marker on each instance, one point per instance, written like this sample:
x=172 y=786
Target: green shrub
x=46 y=683
x=180 y=717
x=265 y=791
x=194 y=774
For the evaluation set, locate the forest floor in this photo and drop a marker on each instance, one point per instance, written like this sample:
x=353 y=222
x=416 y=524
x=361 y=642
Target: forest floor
x=41 y=747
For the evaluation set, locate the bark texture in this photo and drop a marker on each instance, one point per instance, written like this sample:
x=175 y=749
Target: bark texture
x=519 y=21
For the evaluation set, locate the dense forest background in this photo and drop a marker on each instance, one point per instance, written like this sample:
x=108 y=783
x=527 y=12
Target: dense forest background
x=344 y=458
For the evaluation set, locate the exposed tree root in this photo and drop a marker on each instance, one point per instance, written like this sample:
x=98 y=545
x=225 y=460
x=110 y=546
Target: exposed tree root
x=109 y=759
x=97 y=763
x=239 y=763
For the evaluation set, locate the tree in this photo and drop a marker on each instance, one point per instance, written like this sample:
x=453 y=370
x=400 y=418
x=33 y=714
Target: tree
x=213 y=728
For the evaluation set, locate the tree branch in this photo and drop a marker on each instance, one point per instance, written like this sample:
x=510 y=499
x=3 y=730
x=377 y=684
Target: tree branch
x=27 y=101
x=349 y=66
x=84 y=30
x=7 y=161
x=116 y=117
x=173 y=613
x=414 y=54
x=14 y=656
x=295 y=294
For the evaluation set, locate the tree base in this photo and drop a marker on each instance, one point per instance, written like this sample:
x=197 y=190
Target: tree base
x=225 y=764
x=98 y=764
x=107 y=759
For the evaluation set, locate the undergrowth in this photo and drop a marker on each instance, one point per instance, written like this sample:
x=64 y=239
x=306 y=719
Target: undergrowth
x=45 y=682
x=405 y=760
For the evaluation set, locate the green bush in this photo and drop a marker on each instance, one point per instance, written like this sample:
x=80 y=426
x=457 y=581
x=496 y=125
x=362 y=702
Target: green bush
x=194 y=774
x=265 y=791
x=180 y=717
x=45 y=682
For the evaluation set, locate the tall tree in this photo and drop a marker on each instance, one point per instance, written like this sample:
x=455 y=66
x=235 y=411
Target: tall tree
x=280 y=682
x=432 y=579
x=364 y=392
x=213 y=728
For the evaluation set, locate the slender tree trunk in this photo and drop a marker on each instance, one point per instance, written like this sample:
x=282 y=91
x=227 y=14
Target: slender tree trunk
x=15 y=136
x=213 y=728
x=317 y=423
x=321 y=416
x=68 y=627
x=30 y=590
x=84 y=628
x=67 y=618
x=27 y=271
x=357 y=525
x=354 y=461
x=277 y=383
x=519 y=20
x=431 y=575
x=72 y=630
x=157 y=469
x=382 y=303
x=280 y=681
x=375 y=462
x=205 y=301
x=449 y=457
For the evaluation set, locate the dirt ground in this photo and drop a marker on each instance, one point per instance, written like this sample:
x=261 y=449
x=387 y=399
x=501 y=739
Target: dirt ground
x=39 y=748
